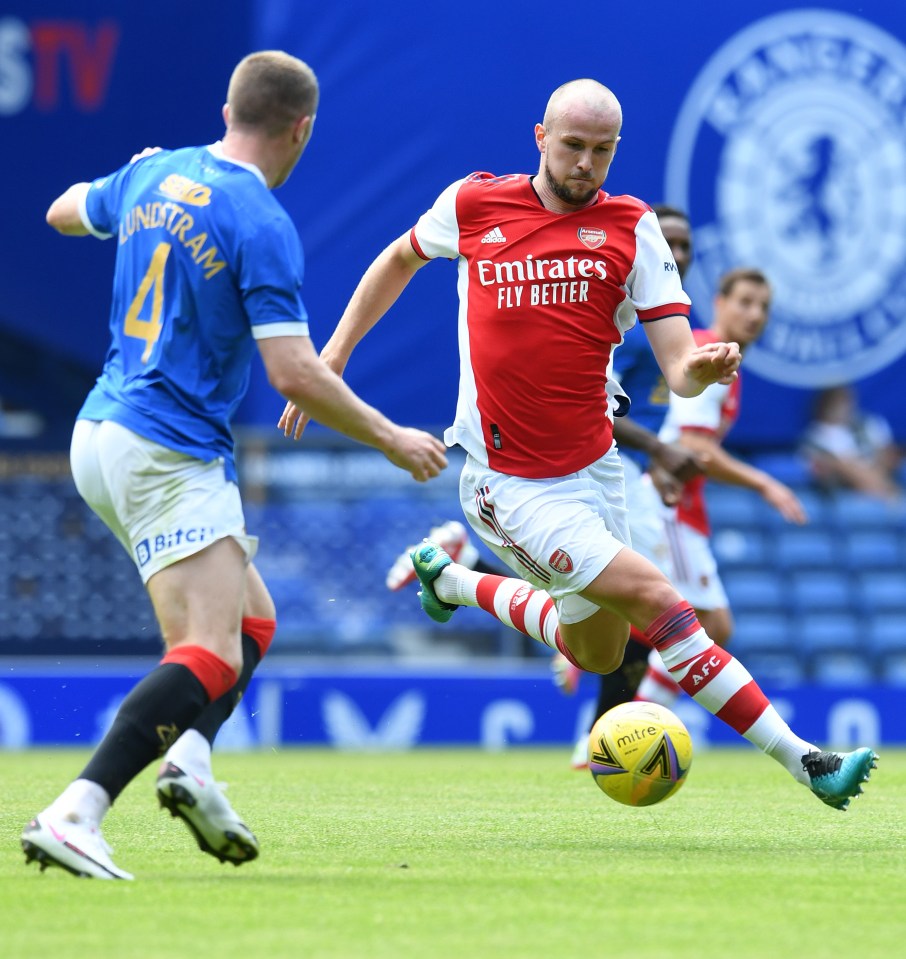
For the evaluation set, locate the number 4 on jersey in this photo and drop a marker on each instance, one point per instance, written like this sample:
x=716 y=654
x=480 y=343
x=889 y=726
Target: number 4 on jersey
x=149 y=330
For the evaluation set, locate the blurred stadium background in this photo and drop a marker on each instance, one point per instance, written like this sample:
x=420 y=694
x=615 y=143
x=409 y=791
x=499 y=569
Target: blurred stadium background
x=781 y=131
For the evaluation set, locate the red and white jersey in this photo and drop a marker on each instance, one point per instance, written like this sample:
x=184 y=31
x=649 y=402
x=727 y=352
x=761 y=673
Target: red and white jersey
x=544 y=298
x=713 y=411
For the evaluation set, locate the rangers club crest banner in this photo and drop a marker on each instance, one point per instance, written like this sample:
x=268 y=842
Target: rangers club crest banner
x=779 y=126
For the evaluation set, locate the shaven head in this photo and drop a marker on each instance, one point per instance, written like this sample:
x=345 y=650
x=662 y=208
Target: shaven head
x=269 y=91
x=583 y=95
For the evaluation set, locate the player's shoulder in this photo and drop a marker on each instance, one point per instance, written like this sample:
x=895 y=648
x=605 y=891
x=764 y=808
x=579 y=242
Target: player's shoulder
x=486 y=180
x=482 y=184
x=627 y=202
x=625 y=205
x=623 y=212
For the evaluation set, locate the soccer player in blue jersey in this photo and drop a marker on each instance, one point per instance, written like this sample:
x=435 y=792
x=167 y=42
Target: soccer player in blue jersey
x=208 y=267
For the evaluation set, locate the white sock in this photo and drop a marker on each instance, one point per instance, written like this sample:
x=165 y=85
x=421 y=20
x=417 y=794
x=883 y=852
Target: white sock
x=190 y=752
x=514 y=602
x=657 y=685
x=81 y=801
x=783 y=744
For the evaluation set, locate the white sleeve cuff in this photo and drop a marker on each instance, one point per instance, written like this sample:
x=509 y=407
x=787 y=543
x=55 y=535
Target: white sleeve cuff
x=267 y=331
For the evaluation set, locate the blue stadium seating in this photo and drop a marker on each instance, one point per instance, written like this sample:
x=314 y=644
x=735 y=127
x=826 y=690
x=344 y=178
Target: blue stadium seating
x=756 y=589
x=822 y=591
x=757 y=632
x=873 y=549
x=824 y=632
x=800 y=548
x=885 y=634
x=825 y=601
x=883 y=591
x=851 y=511
x=842 y=668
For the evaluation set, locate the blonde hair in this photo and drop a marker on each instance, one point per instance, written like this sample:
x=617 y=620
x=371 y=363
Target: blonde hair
x=270 y=90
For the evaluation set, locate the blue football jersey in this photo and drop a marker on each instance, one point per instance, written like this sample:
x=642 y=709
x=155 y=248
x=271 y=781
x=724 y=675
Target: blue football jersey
x=207 y=261
x=641 y=379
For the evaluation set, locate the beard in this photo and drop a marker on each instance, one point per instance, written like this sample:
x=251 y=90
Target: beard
x=567 y=194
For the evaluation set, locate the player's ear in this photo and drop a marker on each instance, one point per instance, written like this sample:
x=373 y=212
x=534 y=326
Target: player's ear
x=302 y=130
x=540 y=135
x=225 y=112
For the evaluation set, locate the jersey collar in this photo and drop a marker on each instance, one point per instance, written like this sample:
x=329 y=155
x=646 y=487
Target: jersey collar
x=217 y=150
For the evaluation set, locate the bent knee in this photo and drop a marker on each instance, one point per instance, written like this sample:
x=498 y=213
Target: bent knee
x=603 y=662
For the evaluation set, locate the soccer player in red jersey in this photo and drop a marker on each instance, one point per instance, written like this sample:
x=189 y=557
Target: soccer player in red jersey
x=552 y=272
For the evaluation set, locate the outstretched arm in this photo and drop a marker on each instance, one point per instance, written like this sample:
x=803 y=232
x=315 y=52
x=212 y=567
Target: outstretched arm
x=295 y=370
x=726 y=468
x=689 y=368
x=379 y=288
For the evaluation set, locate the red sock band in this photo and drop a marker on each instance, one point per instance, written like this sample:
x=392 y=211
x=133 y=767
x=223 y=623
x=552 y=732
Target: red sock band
x=216 y=675
x=672 y=626
x=743 y=708
x=640 y=637
x=261 y=630
x=487 y=590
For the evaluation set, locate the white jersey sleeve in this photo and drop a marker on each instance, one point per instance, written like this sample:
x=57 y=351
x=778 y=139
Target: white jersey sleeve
x=702 y=412
x=437 y=230
x=654 y=279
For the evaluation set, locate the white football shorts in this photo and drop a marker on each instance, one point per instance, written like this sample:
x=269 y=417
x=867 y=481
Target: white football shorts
x=695 y=572
x=160 y=504
x=558 y=534
x=646 y=518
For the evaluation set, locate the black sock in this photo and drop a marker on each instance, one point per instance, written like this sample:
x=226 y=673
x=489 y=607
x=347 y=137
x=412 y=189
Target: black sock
x=215 y=714
x=152 y=717
x=620 y=686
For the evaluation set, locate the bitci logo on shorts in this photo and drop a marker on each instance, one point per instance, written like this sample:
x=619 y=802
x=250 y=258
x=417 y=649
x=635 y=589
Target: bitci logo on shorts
x=175 y=540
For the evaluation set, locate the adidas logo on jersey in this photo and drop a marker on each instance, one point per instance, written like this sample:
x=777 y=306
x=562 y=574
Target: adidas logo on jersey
x=494 y=236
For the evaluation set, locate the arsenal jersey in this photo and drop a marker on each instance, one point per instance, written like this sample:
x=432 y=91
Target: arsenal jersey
x=544 y=298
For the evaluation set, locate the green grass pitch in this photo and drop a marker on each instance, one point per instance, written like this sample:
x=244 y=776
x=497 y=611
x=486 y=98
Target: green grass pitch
x=465 y=854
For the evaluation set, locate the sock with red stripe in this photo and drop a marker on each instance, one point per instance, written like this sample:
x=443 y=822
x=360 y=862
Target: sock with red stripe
x=257 y=635
x=155 y=713
x=722 y=685
x=513 y=601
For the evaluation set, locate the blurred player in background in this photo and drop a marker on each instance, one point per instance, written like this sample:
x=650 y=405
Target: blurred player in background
x=208 y=266
x=847 y=447
x=552 y=272
x=654 y=473
x=741 y=311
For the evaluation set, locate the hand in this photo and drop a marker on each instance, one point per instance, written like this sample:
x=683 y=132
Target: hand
x=785 y=501
x=293 y=420
x=417 y=452
x=148 y=151
x=669 y=488
x=713 y=363
x=678 y=461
